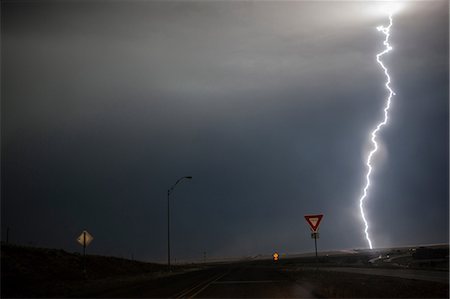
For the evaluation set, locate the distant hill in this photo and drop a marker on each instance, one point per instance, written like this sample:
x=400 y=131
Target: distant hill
x=41 y=272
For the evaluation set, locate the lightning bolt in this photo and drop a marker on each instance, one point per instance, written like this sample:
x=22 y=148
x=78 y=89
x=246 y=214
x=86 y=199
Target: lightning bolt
x=386 y=32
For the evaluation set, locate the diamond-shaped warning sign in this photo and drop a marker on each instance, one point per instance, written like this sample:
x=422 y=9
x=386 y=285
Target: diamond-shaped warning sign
x=276 y=256
x=314 y=221
x=85 y=238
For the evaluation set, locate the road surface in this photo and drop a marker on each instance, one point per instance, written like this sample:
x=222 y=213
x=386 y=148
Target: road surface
x=221 y=282
x=255 y=280
x=252 y=282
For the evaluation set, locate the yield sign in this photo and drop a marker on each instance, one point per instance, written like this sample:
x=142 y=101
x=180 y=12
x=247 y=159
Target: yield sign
x=85 y=238
x=314 y=221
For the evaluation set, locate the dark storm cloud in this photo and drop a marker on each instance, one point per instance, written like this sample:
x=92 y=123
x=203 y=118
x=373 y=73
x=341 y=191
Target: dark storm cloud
x=267 y=105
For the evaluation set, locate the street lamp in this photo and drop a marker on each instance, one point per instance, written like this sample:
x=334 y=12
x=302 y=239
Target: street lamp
x=169 y=191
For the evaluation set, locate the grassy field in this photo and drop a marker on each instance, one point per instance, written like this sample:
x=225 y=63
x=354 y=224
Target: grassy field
x=40 y=272
x=325 y=284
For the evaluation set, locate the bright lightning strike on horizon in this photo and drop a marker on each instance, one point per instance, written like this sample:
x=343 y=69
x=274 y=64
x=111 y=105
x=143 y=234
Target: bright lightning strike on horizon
x=386 y=32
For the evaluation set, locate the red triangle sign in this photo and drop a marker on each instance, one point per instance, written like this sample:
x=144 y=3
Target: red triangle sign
x=314 y=221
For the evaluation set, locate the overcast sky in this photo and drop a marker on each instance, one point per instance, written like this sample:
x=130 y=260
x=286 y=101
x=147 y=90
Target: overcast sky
x=267 y=104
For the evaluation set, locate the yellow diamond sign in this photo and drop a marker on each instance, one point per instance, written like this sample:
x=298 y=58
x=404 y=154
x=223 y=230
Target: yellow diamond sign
x=85 y=238
x=276 y=256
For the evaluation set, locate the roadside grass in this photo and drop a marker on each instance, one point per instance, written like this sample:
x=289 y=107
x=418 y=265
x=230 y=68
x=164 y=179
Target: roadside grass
x=324 y=284
x=42 y=272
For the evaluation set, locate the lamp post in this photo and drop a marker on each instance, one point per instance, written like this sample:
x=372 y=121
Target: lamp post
x=169 y=191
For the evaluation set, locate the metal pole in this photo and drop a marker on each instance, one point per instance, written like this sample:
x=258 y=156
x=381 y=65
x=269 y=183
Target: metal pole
x=7 y=235
x=315 y=244
x=168 y=229
x=84 y=253
x=168 y=217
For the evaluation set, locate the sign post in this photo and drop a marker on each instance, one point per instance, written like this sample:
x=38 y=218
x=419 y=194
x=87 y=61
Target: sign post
x=314 y=222
x=85 y=239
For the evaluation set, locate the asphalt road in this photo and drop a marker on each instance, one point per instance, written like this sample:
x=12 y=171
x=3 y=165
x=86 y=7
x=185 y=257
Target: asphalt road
x=247 y=280
x=219 y=282
x=252 y=282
